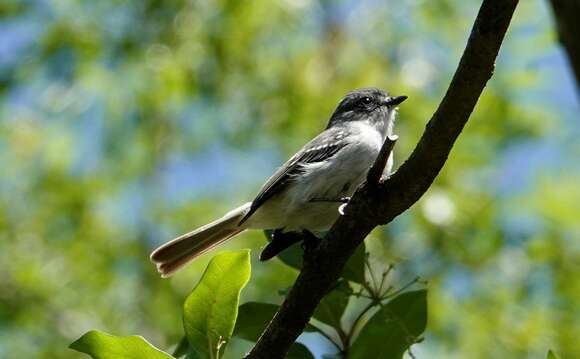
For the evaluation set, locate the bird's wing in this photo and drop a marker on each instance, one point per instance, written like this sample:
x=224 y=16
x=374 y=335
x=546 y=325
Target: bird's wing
x=322 y=147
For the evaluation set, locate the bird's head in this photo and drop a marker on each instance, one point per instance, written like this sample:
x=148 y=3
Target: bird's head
x=367 y=104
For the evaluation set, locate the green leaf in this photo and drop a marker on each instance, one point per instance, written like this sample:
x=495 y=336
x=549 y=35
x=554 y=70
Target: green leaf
x=299 y=351
x=551 y=355
x=332 y=306
x=100 y=345
x=393 y=329
x=253 y=318
x=354 y=270
x=210 y=311
x=291 y=256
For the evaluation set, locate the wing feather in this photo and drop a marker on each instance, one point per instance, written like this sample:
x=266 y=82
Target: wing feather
x=321 y=148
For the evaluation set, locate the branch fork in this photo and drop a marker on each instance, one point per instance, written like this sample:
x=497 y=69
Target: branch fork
x=374 y=176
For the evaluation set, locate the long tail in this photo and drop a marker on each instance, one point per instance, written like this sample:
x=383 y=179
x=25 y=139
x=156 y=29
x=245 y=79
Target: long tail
x=176 y=253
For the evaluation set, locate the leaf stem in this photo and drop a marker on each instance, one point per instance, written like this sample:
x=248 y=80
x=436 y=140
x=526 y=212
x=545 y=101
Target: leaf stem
x=385 y=274
x=373 y=288
x=357 y=320
x=386 y=295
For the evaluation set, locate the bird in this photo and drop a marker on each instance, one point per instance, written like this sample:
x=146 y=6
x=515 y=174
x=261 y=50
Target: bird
x=305 y=193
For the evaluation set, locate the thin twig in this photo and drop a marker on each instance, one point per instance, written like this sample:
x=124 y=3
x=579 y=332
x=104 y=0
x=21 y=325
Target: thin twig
x=383 y=280
x=400 y=290
x=373 y=287
x=358 y=318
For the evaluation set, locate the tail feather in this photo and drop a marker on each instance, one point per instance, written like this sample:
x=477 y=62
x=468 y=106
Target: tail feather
x=169 y=267
x=174 y=254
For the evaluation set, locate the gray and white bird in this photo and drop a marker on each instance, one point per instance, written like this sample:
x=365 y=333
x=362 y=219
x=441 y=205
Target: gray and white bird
x=305 y=193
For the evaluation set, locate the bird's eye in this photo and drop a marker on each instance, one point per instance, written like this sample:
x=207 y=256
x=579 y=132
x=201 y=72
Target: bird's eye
x=366 y=100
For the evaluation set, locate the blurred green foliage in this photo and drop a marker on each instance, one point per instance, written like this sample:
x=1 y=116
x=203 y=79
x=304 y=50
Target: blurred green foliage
x=392 y=320
x=123 y=124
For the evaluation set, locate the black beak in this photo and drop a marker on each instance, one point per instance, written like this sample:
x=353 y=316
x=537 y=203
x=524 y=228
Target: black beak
x=394 y=101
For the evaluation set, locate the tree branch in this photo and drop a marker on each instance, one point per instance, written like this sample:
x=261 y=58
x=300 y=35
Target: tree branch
x=566 y=15
x=375 y=204
x=376 y=171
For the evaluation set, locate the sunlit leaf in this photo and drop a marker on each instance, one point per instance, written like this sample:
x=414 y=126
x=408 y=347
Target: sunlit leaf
x=100 y=345
x=210 y=311
x=393 y=329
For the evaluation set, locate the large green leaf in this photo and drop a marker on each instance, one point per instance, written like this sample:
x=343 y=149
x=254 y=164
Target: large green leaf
x=332 y=306
x=551 y=355
x=299 y=351
x=210 y=311
x=253 y=318
x=100 y=345
x=393 y=329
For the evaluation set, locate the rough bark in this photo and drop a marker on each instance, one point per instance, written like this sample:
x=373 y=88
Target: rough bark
x=378 y=203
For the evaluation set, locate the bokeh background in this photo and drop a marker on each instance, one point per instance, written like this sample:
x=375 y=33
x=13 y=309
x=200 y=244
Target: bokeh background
x=125 y=123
